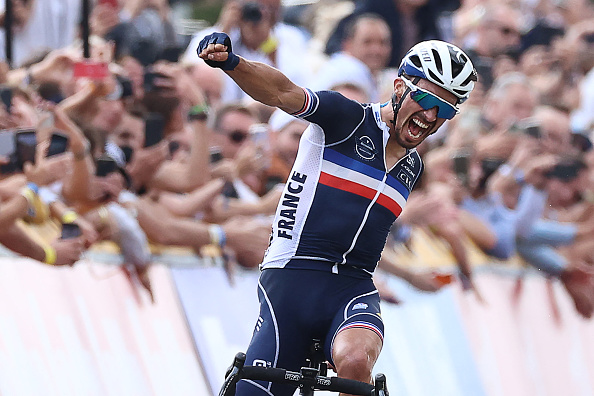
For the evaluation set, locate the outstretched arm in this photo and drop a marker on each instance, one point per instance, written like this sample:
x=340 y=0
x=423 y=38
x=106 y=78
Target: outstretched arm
x=263 y=83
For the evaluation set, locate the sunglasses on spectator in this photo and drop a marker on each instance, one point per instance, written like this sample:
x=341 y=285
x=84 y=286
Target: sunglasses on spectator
x=237 y=136
x=428 y=100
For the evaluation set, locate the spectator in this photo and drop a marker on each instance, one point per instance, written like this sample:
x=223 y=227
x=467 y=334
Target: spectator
x=258 y=34
x=364 y=54
x=40 y=26
x=495 y=33
x=410 y=21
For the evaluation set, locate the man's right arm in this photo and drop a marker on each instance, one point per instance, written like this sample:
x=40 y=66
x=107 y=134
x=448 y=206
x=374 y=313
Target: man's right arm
x=263 y=83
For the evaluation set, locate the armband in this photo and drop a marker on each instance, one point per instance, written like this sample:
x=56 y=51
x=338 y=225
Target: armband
x=198 y=112
x=50 y=255
x=69 y=216
x=217 y=235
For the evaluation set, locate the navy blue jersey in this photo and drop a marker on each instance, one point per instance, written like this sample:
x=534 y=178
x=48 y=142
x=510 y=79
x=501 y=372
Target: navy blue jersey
x=340 y=200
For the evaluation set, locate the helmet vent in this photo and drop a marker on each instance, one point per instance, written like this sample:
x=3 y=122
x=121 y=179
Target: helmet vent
x=437 y=59
x=416 y=61
x=456 y=68
x=435 y=77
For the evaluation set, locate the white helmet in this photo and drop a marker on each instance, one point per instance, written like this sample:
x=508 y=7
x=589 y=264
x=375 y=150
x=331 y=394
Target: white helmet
x=443 y=64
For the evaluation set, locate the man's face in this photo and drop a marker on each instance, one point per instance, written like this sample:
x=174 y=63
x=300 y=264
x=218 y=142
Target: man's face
x=519 y=104
x=233 y=132
x=502 y=34
x=370 y=44
x=413 y=124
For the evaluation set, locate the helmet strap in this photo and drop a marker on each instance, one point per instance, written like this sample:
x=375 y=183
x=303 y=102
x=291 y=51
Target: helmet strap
x=397 y=105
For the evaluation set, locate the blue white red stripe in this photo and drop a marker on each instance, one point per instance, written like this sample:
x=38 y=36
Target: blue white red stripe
x=363 y=181
x=363 y=325
x=310 y=105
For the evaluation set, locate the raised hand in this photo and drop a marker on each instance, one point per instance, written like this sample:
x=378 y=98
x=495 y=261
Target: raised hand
x=216 y=51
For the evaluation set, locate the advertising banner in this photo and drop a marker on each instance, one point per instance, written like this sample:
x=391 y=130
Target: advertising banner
x=86 y=330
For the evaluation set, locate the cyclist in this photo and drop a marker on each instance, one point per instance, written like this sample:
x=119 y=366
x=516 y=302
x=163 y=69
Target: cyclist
x=355 y=168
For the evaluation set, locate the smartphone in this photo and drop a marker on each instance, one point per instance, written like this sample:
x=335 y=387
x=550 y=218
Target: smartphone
x=8 y=151
x=154 y=126
x=58 y=144
x=91 y=69
x=6 y=96
x=461 y=163
x=70 y=231
x=105 y=165
x=7 y=142
x=25 y=146
x=113 y=3
x=216 y=155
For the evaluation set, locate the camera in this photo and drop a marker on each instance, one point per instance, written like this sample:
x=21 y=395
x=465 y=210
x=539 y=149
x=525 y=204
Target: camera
x=251 y=12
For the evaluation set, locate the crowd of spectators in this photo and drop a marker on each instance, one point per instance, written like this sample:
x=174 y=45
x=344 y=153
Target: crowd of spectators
x=163 y=149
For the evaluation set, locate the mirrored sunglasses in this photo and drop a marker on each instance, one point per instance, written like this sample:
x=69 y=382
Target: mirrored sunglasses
x=428 y=100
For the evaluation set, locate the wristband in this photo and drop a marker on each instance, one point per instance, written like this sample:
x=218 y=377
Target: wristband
x=217 y=235
x=50 y=255
x=69 y=217
x=219 y=38
x=198 y=112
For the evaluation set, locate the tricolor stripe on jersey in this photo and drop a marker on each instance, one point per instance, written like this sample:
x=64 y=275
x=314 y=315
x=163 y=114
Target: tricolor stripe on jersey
x=344 y=173
x=310 y=105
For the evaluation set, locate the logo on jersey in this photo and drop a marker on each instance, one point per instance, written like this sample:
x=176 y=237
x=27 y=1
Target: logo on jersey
x=360 y=306
x=406 y=178
x=365 y=148
x=259 y=323
x=261 y=363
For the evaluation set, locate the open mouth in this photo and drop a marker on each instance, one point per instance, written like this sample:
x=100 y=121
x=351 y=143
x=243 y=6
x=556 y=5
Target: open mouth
x=416 y=128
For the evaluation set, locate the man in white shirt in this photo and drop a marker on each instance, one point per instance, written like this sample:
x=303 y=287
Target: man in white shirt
x=365 y=54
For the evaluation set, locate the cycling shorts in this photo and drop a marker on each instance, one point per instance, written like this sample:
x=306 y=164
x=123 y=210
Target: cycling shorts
x=297 y=306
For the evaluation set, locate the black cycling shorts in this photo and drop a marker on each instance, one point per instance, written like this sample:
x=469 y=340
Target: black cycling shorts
x=297 y=306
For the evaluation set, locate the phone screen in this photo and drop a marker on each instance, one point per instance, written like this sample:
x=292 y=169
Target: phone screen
x=154 y=125
x=90 y=69
x=70 y=231
x=25 y=145
x=6 y=96
x=105 y=166
x=58 y=144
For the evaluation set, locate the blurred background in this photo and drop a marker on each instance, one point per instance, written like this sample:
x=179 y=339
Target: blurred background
x=138 y=187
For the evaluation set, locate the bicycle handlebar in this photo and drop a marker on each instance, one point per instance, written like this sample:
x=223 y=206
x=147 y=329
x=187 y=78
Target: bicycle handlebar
x=335 y=384
x=277 y=375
